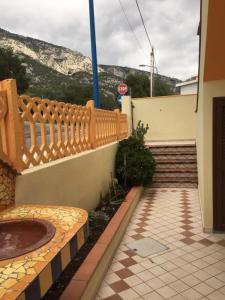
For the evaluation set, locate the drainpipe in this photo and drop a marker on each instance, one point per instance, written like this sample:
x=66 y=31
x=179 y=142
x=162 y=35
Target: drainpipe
x=199 y=56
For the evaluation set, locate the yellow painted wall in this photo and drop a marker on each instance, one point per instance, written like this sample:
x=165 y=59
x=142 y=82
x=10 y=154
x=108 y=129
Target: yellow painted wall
x=127 y=109
x=200 y=126
x=76 y=180
x=169 y=118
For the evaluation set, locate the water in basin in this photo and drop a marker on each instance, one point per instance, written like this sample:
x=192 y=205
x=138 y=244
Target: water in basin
x=18 y=237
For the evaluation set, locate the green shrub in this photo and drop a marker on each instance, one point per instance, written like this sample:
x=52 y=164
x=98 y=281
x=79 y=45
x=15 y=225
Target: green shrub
x=108 y=203
x=140 y=132
x=113 y=198
x=135 y=164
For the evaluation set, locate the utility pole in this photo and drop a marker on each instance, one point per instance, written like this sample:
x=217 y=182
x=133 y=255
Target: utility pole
x=94 y=54
x=152 y=68
x=151 y=71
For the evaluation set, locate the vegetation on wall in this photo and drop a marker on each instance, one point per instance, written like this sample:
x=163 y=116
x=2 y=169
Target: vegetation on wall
x=135 y=164
x=140 y=86
x=73 y=93
x=108 y=204
x=12 y=67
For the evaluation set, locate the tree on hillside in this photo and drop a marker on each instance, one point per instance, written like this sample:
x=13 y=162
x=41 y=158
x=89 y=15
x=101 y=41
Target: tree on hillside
x=74 y=93
x=108 y=103
x=11 y=67
x=161 y=88
x=140 y=86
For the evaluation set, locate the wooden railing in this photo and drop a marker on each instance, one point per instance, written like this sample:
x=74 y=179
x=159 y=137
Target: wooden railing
x=105 y=127
x=35 y=131
x=3 y=112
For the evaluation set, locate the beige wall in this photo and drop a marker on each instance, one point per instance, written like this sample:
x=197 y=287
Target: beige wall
x=169 y=117
x=127 y=109
x=207 y=91
x=77 y=180
x=202 y=188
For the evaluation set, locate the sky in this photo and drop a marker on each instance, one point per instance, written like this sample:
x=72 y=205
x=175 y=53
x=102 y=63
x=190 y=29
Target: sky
x=172 y=26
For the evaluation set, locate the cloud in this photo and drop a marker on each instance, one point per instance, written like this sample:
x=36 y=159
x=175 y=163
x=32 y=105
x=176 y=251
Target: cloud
x=172 y=26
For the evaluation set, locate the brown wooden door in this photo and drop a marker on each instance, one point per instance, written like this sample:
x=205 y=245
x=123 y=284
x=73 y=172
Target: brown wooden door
x=219 y=164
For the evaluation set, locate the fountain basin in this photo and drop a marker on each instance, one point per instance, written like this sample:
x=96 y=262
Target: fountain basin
x=30 y=275
x=18 y=237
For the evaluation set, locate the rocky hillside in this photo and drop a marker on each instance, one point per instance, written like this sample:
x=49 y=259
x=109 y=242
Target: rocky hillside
x=47 y=64
x=60 y=59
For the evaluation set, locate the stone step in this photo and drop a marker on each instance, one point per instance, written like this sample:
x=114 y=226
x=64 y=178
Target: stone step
x=157 y=153
x=176 y=165
x=175 y=156
x=174 y=145
x=171 y=169
x=175 y=179
x=171 y=146
x=174 y=174
x=189 y=185
x=188 y=166
x=176 y=161
x=160 y=150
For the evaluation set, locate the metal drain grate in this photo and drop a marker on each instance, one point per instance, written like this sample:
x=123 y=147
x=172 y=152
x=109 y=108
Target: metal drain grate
x=147 y=247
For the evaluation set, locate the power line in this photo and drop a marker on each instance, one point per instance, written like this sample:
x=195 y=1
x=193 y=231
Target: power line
x=148 y=37
x=143 y=22
x=131 y=28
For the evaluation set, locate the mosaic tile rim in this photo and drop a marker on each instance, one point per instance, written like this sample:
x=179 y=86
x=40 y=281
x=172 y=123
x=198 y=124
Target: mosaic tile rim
x=24 y=274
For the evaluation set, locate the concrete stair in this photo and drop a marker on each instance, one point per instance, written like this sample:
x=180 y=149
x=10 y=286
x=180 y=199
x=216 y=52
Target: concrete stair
x=176 y=165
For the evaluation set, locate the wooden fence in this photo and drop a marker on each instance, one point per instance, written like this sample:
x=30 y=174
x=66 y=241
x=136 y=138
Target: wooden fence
x=35 y=131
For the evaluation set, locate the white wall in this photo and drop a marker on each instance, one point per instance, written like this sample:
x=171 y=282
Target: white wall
x=189 y=89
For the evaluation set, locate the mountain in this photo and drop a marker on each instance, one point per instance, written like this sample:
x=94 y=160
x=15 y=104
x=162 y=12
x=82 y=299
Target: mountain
x=60 y=59
x=48 y=64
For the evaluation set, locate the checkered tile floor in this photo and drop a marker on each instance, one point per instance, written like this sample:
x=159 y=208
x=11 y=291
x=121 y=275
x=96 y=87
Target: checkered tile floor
x=192 y=268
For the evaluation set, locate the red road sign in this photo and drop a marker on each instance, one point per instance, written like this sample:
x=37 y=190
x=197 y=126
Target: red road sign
x=122 y=89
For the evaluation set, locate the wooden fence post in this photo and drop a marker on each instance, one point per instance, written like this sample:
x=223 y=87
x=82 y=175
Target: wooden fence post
x=92 y=129
x=13 y=125
x=117 y=111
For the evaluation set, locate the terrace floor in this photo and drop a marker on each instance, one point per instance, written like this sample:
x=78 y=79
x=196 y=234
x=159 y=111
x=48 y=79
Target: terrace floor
x=192 y=268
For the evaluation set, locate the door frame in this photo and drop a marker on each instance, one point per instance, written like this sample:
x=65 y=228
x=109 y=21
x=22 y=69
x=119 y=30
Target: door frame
x=218 y=158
